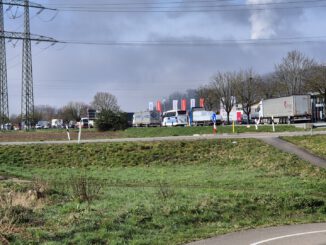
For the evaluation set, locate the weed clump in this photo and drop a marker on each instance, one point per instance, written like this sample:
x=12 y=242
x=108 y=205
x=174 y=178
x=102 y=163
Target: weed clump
x=165 y=191
x=85 y=189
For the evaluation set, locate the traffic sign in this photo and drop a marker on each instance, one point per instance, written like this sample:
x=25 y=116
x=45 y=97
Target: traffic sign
x=214 y=118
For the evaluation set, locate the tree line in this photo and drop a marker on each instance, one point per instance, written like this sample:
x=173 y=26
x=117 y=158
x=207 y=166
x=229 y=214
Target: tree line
x=296 y=74
x=103 y=102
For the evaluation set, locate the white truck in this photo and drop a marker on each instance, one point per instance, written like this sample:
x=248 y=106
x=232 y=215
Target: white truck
x=288 y=109
x=146 y=119
x=200 y=117
x=57 y=123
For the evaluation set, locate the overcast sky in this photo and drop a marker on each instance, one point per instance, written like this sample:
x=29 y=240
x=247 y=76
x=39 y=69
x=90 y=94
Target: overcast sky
x=137 y=74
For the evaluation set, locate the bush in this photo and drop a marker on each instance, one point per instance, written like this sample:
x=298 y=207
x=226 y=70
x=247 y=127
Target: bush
x=110 y=120
x=85 y=189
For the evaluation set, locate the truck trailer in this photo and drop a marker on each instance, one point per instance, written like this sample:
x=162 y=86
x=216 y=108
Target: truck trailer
x=146 y=119
x=288 y=109
x=198 y=116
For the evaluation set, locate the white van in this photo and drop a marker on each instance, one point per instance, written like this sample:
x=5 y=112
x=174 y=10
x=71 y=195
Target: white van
x=84 y=122
x=175 y=118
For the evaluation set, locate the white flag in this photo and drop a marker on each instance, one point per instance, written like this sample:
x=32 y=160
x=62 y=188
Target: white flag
x=175 y=105
x=150 y=106
x=192 y=103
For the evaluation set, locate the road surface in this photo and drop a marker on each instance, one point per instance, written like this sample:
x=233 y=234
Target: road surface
x=311 y=234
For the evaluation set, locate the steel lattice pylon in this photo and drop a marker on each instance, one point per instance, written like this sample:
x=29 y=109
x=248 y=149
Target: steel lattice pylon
x=27 y=103
x=4 y=107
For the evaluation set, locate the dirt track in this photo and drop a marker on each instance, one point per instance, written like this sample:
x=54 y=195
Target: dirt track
x=51 y=135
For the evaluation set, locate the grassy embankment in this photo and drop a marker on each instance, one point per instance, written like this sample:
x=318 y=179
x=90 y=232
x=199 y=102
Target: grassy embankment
x=180 y=131
x=55 y=134
x=157 y=193
x=315 y=144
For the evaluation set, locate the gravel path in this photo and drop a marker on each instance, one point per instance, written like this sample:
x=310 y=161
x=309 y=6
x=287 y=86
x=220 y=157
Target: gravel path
x=293 y=149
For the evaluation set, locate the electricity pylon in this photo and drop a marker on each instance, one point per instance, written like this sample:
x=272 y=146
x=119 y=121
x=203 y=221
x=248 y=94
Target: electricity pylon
x=27 y=98
x=4 y=107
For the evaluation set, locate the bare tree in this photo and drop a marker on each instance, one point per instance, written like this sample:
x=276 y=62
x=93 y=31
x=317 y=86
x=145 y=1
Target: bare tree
x=73 y=111
x=291 y=72
x=105 y=101
x=247 y=92
x=15 y=119
x=269 y=86
x=212 y=101
x=316 y=82
x=44 y=112
x=224 y=85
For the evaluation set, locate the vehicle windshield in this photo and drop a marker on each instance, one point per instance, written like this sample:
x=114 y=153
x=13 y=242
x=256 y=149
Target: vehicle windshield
x=170 y=114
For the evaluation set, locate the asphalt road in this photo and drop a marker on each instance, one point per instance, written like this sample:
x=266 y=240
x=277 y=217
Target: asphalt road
x=311 y=234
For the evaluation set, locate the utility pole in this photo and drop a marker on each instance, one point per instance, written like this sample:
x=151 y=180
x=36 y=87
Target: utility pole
x=27 y=99
x=4 y=107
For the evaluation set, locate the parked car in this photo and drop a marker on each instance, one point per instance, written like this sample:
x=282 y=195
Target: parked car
x=7 y=126
x=42 y=125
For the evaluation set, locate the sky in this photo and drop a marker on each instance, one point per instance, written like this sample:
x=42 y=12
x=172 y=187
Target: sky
x=183 y=44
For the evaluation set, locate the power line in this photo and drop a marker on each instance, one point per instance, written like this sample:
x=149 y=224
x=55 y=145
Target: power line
x=199 y=8
x=21 y=3
x=185 y=43
x=184 y=4
x=271 y=41
x=135 y=3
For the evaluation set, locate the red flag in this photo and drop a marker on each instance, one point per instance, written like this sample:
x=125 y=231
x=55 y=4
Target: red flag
x=184 y=104
x=201 y=102
x=239 y=116
x=159 y=106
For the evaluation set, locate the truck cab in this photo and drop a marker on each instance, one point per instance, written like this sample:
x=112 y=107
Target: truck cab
x=84 y=122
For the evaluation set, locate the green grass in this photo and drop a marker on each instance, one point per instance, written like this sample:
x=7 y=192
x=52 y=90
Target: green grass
x=315 y=144
x=164 y=192
x=181 y=131
x=60 y=134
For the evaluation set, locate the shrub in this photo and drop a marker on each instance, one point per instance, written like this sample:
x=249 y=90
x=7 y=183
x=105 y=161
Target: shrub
x=110 y=120
x=85 y=189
